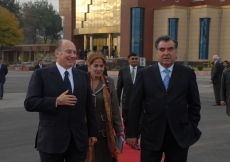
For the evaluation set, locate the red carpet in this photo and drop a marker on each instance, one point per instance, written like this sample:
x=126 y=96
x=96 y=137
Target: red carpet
x=129 y=154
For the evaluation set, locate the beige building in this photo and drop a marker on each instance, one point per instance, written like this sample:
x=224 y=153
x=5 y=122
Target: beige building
x=197 y=43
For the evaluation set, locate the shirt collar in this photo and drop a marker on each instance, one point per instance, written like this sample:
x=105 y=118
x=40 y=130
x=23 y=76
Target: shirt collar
x=163 y=68
x=62 y=70
x=131 y=67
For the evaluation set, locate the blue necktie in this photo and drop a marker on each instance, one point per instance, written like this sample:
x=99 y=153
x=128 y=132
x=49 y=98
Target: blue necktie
x=166 y=79
x=67 y=82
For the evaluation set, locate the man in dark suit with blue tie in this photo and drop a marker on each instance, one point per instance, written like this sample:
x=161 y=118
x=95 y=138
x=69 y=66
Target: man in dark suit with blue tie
x=62 y=96
x=3 y=72
x=172 y=107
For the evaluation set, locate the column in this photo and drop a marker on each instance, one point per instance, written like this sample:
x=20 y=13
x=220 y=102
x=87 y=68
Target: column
x=85 y=42
x=109 y=44
x=91 y=42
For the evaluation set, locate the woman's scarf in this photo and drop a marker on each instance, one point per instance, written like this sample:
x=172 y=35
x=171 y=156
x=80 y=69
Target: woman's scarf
x=109 y=124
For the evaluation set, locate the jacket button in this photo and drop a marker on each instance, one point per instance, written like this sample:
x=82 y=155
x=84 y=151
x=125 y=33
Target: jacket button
x=166 y=106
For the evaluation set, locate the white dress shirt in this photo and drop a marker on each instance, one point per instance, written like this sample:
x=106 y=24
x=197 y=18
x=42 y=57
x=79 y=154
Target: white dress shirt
x=62 y=72
x=161 y=68
x=135 y=72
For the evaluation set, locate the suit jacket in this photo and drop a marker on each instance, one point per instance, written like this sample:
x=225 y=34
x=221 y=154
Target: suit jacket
x=57 y=123
x=3 y=72
x=225 y=89
x=125 y=83
x=38 y=67
x=100 y=107
x=85 y=69
x=216 y=72
x=179 y=106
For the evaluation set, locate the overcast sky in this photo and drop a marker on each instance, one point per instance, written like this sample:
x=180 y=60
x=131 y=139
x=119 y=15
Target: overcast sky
x=55 y=3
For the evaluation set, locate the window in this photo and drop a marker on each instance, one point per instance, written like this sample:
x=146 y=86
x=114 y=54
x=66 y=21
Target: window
x=137 y=25
x=204 y=38
x=173 y=28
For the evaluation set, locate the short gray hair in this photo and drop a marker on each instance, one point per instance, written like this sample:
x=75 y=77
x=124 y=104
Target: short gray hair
x=59 y=44
x=216 y=57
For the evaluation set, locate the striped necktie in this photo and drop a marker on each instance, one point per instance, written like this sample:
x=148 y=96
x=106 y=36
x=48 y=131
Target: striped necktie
x=166 y=79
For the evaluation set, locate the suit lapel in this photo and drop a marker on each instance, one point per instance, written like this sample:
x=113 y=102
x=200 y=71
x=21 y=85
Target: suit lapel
x=99 y=87
x=157 y=76
x=57 y=78
x=77 y=81
x=128 y=75
x=176 y=73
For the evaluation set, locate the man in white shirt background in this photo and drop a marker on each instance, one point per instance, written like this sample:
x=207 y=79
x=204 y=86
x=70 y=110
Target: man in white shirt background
x=125 y=82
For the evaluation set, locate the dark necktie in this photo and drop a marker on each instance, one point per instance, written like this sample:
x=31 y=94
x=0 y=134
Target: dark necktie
x=166 y=79
x=133 y=74
x=67 y=82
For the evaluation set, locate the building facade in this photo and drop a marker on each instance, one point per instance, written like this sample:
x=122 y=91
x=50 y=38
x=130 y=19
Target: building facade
x=200 y=26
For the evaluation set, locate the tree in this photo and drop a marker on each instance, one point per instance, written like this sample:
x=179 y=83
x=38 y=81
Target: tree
x=44 y=23
x=14 y=7
x=30 y=23
x=10 y=34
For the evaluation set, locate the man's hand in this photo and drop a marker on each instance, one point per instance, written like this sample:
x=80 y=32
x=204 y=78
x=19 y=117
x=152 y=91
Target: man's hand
x=121 y=134
x=223 y=103
x=66 y=100
x=210 y=81
x=92 y=140
x=132 y=142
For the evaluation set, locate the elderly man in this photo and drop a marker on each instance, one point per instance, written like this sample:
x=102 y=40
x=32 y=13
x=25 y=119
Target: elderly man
x=216 y=74
x=62 y=96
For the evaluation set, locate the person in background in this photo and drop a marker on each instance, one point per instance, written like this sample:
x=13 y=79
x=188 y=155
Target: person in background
x=108 y=113
x=225 y=90
x=226 y=64
x=62 y=96
x=171 y=107
x=39 y=65
x=3 y=73
x=216 y=74
x=125 y=82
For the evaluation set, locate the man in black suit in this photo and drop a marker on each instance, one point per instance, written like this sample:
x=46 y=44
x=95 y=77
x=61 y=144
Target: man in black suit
x=39 y=65
x=216 y=74
x=3 y=72
x=172 y=107
x=85 y=67
x=62 y=96
x=126 y=79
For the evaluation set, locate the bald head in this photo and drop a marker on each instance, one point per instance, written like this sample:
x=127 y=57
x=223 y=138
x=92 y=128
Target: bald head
x=66 y=53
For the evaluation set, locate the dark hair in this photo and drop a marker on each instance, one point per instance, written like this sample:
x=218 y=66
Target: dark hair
x=226 y=61
x=0 y=58
x=132 y=54
x=165 y=38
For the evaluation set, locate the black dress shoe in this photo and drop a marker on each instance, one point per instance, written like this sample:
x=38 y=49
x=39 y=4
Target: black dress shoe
x=216 y=104
x=0 y=98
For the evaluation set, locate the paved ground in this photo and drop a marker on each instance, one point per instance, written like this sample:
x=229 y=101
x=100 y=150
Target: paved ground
x=18 y=127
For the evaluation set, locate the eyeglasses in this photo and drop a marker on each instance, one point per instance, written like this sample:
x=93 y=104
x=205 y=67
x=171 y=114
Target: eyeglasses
x=134 y=58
